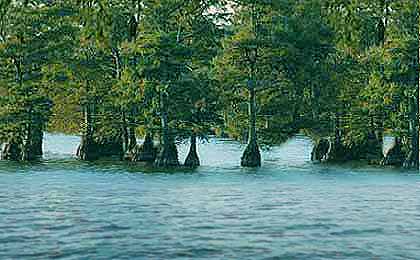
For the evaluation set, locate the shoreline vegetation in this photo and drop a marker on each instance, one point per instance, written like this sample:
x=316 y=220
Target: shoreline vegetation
x=343 y=73
x=71 y=146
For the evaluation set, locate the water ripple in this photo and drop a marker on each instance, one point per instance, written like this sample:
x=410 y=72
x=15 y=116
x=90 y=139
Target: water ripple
x=289 y=209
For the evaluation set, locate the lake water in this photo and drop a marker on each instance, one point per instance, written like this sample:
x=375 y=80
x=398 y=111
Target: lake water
x=287 y=209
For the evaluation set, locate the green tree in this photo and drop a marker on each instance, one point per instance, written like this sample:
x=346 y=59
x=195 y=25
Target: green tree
x=32 y=36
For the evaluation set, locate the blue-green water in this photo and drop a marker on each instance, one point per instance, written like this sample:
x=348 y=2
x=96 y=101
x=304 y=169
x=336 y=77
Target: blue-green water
x=288 y=209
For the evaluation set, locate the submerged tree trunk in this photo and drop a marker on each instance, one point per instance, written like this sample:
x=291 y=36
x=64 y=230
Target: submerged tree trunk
x=37 y=139
x=251 y=156
x=11 y=151
x=372 y=149
x=394 y=156
x=192 y=159
x=28 y=147
x=129 y=148
x=146 y=152
x=320 y=150
x=168 y=155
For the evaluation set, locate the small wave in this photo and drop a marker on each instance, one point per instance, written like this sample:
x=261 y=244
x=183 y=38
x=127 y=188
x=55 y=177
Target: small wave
x=352 y=232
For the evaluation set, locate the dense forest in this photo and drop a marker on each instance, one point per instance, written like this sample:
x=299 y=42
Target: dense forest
x=344 y=73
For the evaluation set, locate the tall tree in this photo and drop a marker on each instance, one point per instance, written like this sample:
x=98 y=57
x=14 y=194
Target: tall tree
x=31 y=39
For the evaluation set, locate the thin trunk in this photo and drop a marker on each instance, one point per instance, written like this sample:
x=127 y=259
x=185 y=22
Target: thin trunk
x=26 y=153
x=88 y=115
x=117 y=61
x=315 y=102
x=164 y=119
x=125 y=133
x=412 y=160
x=252 y=117
x=85 y=151
x=132 y=141
x=337 y=131
x=124 y=128
x=251 y=156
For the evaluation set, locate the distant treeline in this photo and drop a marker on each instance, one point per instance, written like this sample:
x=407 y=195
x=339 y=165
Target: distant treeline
x=343 y=72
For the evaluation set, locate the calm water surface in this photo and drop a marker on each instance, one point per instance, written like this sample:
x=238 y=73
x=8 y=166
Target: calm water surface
x=288 y=209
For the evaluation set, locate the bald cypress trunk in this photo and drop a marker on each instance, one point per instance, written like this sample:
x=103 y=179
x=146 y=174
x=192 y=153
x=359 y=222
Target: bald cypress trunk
x=192 y=159
x=37 y=139
x=147 y=151
x=11 y=151
x=251 y=156
x=168 y=155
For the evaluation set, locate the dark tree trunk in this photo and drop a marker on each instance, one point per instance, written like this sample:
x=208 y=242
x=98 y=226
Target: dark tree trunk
x=251 y=156
x=146 y=152
x=131 y=131
x=168 y=155
x=372 y=149
x=320 y=150
x=32 y=142
x=11 y=151
x=192 y=159
x=86 y=151
x=37 y=139
x=394 y=156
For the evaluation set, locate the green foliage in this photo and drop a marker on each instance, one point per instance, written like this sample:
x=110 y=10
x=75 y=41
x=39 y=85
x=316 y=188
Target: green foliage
x=334 y=68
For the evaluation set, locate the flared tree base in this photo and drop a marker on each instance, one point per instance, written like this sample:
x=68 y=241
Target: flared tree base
x=146 y=152
x=14 y=151
x=327 y=151
x=411 y=161
x=394 y=156
x=167 y=157
x=11 y=152
x=320 y=151
x=90 y=150
x=251 y=156
x=192 y=160
x=86 y=151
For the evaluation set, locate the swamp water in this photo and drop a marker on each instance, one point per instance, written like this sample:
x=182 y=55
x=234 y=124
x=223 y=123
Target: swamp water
x=287 y=209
